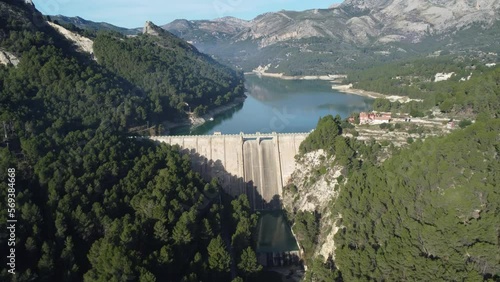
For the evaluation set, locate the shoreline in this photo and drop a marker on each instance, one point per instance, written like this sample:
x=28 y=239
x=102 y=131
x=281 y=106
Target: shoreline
x=336 y=79
x=197 y=121
x=347 y=88
x=325 y=77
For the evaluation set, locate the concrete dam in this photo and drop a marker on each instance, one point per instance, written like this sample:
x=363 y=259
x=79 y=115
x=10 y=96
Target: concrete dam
x=258 y=165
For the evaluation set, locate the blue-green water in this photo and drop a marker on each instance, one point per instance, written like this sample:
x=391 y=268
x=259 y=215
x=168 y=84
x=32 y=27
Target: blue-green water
x=275 y=105
x=274 y=233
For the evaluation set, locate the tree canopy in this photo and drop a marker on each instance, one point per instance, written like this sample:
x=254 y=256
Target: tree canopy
x=92 y=203
x=430 y=212
x=170 y=71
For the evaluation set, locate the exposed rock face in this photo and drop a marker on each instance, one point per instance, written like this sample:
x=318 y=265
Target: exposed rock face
x=357 y=32
x=228 y=25
x=276 y=27
x=7 y=58
x=152 y=29
x=316 y=193
x=83 y=44
x=413 y=20
x=356 y=21
x=168 y=40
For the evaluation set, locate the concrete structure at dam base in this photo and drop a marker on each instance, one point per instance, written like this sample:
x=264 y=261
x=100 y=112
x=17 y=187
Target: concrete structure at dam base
x=258 y=165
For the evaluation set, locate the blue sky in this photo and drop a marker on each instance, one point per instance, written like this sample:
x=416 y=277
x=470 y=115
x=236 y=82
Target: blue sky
x=133 y=13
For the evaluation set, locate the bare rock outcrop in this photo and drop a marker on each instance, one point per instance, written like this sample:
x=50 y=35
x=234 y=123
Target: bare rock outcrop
x=82 y=43
x=313 y=191
x=151 y=29
x=7 y=58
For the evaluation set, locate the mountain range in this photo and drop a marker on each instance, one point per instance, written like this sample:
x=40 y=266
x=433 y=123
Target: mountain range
x=339 y=38
x=355 y=21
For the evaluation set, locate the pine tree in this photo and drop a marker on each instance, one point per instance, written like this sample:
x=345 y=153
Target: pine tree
x=248 y=262
x=218 y=257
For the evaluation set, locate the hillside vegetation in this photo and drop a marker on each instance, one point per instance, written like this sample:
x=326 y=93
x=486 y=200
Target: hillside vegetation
x=473 y=88
x=170 y=71
x=427 y=212
x=91 y=203
x=431 y=212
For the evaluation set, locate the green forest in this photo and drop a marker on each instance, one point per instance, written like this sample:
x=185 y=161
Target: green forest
x=170 y=71
x=415 y=79
x=92 y=203
x=96 y=204
x=428 y=213
x=431 y=211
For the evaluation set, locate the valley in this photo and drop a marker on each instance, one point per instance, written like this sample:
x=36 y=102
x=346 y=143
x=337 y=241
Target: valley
x=356 y=142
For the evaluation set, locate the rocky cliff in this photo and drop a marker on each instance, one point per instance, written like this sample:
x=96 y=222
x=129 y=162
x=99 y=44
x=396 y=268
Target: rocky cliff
x=413 y=20
x=358 y=21
x=83 y=44
x=313 y=187
x=151 y=29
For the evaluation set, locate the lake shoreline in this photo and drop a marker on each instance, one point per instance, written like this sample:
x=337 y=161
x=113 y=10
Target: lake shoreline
x=193 y=121
x=275 y=105
x=337 y=80
x=326 y=77
x=347 y=88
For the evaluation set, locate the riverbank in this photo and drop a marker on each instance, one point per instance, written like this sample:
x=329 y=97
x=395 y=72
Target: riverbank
x=326 y=77
x=193 y=121
x=347 y=88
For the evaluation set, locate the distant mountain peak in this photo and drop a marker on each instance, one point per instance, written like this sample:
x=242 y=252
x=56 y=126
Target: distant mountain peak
x=152 y=29
x=364 y=4
x=452 y=4
x=231 y=20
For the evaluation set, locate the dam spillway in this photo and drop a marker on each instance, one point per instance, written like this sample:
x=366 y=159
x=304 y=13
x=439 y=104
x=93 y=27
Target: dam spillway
x=258 y=165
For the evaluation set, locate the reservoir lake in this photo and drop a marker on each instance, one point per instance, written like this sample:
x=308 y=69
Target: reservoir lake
x=282 y=106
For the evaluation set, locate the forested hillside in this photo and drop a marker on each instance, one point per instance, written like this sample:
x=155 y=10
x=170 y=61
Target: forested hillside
x=75 y=23
x=429 y=213
x=91 y=203
x=473 y=88
x=171 y=71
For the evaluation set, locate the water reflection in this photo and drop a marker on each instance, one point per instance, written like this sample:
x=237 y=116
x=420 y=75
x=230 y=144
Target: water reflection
x=282 y=106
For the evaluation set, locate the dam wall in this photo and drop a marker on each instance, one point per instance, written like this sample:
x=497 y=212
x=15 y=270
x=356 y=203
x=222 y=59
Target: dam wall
x=258 y=165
